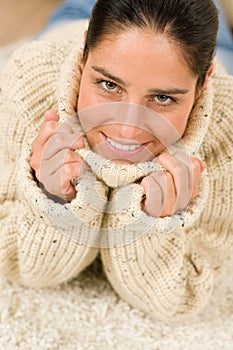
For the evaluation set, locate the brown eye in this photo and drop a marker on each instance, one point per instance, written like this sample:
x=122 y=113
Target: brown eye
x=110 y=85
x=162 y=98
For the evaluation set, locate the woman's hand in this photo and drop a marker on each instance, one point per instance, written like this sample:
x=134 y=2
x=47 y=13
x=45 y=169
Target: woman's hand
x=53 y=158
x=169 y=191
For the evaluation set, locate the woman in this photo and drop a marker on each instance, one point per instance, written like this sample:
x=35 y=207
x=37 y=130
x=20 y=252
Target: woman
x=120 y=173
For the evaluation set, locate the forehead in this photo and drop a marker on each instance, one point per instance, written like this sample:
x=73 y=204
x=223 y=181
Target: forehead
x=142 y=52
x=141 y=41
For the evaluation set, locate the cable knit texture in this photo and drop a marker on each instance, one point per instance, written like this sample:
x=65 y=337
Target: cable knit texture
x=166 y=266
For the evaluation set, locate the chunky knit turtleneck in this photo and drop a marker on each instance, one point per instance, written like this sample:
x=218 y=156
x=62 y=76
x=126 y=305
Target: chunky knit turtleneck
x=164 y=266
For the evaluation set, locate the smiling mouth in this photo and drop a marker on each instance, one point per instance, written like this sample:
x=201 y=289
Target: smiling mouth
x=124 y=147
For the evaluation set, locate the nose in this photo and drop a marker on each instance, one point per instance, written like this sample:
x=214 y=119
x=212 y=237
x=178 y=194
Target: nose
x=133 y=98
x=128 y=131
x=129 y=127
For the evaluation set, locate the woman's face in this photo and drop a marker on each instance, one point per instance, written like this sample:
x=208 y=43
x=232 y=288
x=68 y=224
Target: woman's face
x=139 y=68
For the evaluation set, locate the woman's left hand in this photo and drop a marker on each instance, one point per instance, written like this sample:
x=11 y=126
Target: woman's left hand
x=171 y=190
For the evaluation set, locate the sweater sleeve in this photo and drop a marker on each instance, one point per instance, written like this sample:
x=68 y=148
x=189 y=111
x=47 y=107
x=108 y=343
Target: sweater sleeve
x=152 y=263
x=42 y=243
x=169 y=271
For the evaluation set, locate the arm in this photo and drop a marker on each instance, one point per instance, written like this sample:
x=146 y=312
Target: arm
x=38 y=247
x=154 y=264
x=165 y=268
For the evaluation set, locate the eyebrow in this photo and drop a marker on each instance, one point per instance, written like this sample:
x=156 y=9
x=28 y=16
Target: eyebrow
x=108 y=75
x=172 y=91
x=153 y=91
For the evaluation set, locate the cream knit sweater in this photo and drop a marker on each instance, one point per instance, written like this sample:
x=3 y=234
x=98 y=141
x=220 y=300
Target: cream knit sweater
x=166 y=266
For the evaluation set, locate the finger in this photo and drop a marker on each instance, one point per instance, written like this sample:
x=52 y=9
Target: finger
x=39 y=143
x=202 y=164
x=166 y=183
x=160 y=194
x=51 y=115
x=59 y=184
x=60 y=159
x=62 y=141
x=197 y=170
x=48 y=129
x=180 y=167
x=194 y=167
x=45 y=132
x=184 y=180
x=153 y=203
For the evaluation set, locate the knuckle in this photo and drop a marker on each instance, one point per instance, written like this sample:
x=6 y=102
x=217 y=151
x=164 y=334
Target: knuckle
x=67 y=172
x=183 y=204
x=181 y=168
x=61 y=157
x=195 y=165
x=49 y=127
x=34 y=163
x=70 y=156
x=167 y=177
x=194 y=194
x=164 y=157
x=144 y=183
x=64 y=128
x=80 y=139
x=65 y=189
x=57 y=139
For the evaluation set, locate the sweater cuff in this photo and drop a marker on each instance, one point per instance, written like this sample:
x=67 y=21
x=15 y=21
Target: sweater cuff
x=125 y=222
x=78 y=220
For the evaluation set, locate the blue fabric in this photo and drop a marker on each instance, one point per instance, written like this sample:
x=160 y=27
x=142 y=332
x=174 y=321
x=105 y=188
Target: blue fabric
x=224 y=41
x=225 y=38
x=71 y=10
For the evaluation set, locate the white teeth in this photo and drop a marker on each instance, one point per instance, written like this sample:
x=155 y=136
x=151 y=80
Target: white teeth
x=123 y=147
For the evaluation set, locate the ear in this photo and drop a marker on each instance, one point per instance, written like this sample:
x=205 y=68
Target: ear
x=208 y=75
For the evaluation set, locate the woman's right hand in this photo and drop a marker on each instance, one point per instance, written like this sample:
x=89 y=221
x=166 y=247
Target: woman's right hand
x=53 y=158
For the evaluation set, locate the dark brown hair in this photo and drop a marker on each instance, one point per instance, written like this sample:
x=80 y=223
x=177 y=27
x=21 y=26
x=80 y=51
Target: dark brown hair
x=192 y=24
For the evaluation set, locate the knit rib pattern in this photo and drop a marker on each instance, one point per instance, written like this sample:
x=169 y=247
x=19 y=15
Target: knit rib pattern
x=164 y=266
x=42 y=243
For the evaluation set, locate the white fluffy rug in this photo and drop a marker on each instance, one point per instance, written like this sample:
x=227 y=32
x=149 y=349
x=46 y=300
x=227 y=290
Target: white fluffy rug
x=87 y=314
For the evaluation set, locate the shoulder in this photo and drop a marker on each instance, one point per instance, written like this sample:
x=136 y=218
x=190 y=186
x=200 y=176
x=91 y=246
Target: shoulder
x=217 y=145
x=28 y=84
x=222 y=85
x=30 y=71
x=30 y=79
x=40 y=61
x=32 y=60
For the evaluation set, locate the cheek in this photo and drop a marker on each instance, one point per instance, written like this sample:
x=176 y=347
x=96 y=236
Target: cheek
x=180 y=123
x=83 y=98
x=180 y=120
x=94 y=137
x=88 y=98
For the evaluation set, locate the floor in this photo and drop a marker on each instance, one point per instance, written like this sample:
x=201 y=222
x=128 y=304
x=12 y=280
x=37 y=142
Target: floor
x=21 y=18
